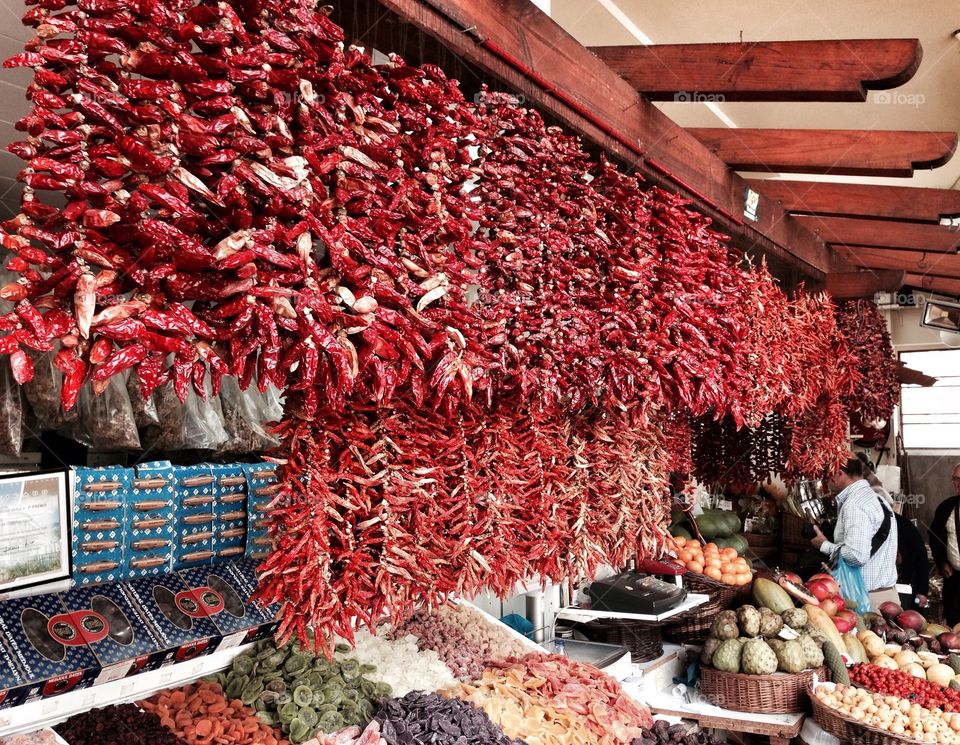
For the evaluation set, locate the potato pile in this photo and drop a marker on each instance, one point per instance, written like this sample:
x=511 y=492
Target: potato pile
x=892 y=714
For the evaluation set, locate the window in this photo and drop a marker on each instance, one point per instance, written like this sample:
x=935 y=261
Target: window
x=931 y=416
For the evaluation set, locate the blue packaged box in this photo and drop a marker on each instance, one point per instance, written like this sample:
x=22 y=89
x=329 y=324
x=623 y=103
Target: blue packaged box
x=262 y=488
x=151 y=512
x=99 y=524
x=246 y=572
x=235 y=613
x=230 y=510
x=12 y=688
x=112 y=627
x=194 y=487
x=46 y=643
x=176 y=615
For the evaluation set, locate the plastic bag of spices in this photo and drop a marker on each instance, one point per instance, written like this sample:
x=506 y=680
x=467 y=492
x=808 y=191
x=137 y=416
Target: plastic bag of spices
x=243 y=418
x=43 y=394
x=11 y=412
x=203 y=421
x=167 y=433
x=105 y=422
x=144 y=409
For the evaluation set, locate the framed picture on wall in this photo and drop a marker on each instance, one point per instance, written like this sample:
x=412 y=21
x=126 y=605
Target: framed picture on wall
x=34 y=529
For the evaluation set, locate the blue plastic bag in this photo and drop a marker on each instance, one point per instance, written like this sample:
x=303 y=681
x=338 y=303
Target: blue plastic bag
x=852 y=587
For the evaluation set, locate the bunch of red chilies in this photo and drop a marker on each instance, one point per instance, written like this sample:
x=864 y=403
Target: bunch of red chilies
x=481 y=332
x=866 y=332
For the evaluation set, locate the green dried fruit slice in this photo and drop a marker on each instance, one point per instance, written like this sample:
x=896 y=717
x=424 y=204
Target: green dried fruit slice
x=331 y=722
x=303 y=695
x=308 y=716
x=242 y=665
x=251 y=692
x=296 y=664
x=299 y=731
x=288 y=712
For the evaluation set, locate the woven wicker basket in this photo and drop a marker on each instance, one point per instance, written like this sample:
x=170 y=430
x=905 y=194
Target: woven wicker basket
x=849 y=730
x=642 y=638
x=692 y=627
x=780 y=693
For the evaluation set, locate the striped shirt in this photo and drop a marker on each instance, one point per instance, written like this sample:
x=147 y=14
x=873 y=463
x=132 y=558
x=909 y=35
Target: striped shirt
x=861 y=515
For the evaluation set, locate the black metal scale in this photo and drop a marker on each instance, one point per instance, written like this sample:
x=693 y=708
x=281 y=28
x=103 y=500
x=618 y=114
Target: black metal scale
x=630 y=592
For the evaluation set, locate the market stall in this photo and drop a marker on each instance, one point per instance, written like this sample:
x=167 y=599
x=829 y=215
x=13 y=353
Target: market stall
x=319 y=345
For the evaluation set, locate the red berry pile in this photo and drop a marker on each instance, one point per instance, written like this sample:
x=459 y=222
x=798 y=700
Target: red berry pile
x=898 y=683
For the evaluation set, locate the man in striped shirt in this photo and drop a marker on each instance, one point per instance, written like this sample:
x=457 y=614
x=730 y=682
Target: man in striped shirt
x=866 y=532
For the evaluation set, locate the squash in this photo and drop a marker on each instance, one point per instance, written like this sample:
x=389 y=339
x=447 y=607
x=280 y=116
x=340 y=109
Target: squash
x=819 y=619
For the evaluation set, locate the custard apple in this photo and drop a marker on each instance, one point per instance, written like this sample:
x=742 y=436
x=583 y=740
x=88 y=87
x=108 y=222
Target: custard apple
x=748 y=618
x=709 y=648
x=727 y=656
x=770 y=623
x=792 y=657
x=795 y=618
x=811 y=651
x=725 y=626
x=758 y=658
x=776 y=645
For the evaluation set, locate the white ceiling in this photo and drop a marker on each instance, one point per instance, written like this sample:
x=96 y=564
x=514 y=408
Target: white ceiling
x=930 y=101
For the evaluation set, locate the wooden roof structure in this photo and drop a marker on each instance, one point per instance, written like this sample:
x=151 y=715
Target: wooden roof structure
x=855 y=239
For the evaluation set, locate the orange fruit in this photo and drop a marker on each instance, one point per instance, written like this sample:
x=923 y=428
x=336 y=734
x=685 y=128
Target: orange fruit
x=695 y=566
x=685 y=555
x=728 y=579
x=679 y=541
x=711 y=548
x=712 y=561
x=728 y=553
x=714 y=573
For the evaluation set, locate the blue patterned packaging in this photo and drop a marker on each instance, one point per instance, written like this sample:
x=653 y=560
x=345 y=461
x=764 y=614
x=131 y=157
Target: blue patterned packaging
x=237 y=613
x=151 y=512
x=230 y=511
x=194 y=486
x=261 y=489
x=12 y=688
x=123 y=642
x=245 y=570
x=176 y=615
x=47 y=645
x=100 y=516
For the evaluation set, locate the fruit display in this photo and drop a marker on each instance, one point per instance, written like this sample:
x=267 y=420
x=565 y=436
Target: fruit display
x=200 y=713
x=827 y=592
x=931 y=692
x=892 y=714
x=717 y=526
x=720 y=564
x=749 y=640
x=300 y=694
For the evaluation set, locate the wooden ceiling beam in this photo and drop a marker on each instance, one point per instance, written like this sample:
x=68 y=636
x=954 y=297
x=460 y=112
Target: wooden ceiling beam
x=852 y=231
x=947 y=286
x=913 y=262
x=909 y=376
x=836 y=151
x=848 y=285
x=833 y=70
x=519 y=46
x=861 y=200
